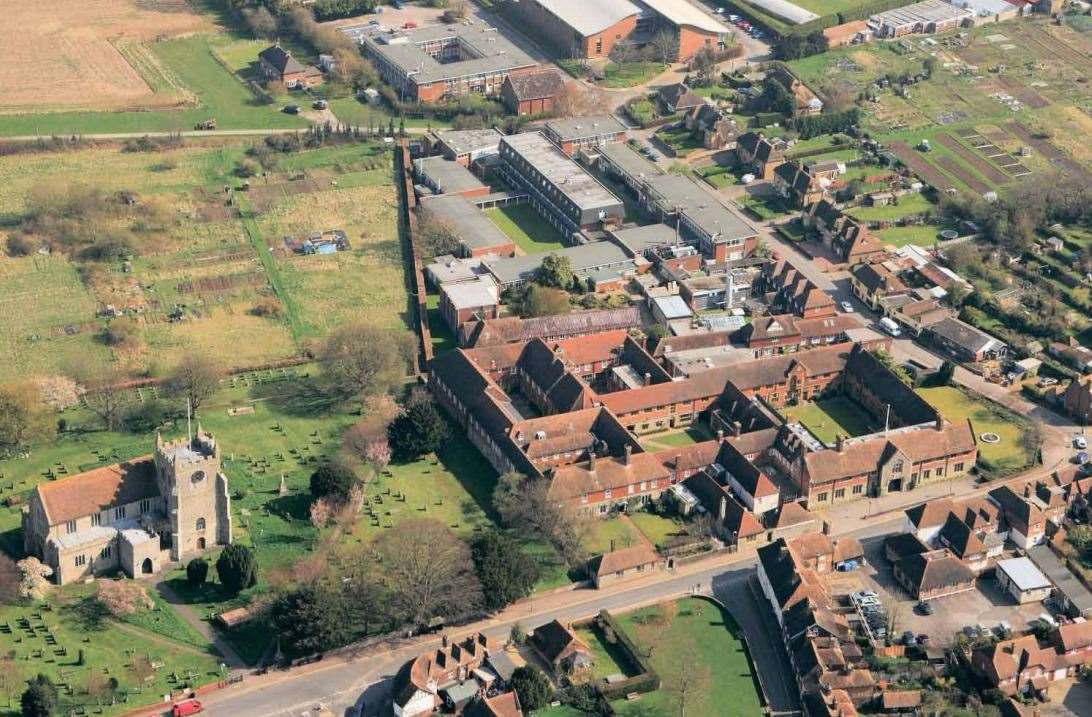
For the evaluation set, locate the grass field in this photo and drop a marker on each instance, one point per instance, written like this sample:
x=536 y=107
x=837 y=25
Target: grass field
x=957 y=405
x=658 y=529
x=526 y=228
x=607 y=658
x=703 y=638
x=630 y=74
x=909 y=205
x=829 y=417
x=607 y=532
x=108 y=649
x=218 y=92
x=924 y=235
x=676 y=439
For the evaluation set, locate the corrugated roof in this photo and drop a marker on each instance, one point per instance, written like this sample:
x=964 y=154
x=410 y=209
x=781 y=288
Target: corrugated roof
x=681 y=12
x=588 y=18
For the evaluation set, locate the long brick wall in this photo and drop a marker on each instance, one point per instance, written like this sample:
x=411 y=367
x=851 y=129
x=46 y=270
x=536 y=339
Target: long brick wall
x=415 y=279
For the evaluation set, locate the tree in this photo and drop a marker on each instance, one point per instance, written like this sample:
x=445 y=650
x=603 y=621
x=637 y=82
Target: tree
x=11 y=675
x=517 y=635
x=524 y=505
x=122 y=597
x=237 y=568
x=532 y=687
x=334 y=479
x=363 y=360
x=435 y=236
x=428 y=571
x=197 y=571
x=195 y=378
x=544 y=301
x=704 y=65
x=929 y=65
x=260 y=22
x=456 y=12
x=893 y=366
x=23 y=417
x=418 y=430
x=689 y=681
x=312 y=618
x=40 y=698
x=945 y=373
x=103 y=391
x=666 y=44
x=33 y=578
x=507 y=573
x=122 y=333
x=555 y=271
x=776 y=97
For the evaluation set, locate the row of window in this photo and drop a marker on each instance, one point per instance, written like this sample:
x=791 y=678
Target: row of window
x=119 y=514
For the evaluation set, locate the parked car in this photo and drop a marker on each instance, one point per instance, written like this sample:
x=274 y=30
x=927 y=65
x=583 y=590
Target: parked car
x=847 y=307
x=187 y=707
x=291 y=110
x=908 y=638
x=319 y=104
x=1081 y=458
x=1080 y=442
x=924 y=608
x=863 y=594
x=888 y=324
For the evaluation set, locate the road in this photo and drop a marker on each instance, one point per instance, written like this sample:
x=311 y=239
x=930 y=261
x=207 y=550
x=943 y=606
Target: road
x=341 y=683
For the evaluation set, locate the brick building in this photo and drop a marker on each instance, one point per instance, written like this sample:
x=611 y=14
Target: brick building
x=532 y=93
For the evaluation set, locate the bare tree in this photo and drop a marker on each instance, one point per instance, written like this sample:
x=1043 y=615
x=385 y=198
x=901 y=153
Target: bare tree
x=428 y=571
x=104 y=391
x=666 y=44
x=525 y=505
x=363 y=360
x=688 y=681
x=195 y=378
x=122 y=597
x=704 y=64
x=98 y=685
x=11 y=675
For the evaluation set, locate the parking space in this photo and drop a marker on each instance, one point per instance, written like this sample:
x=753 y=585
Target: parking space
x=986 y=606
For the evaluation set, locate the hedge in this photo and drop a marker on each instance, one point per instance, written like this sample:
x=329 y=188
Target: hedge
x=647 y=681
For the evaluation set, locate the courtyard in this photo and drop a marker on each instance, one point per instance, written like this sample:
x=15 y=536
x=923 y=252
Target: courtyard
x=827 y=418
x=523 y=225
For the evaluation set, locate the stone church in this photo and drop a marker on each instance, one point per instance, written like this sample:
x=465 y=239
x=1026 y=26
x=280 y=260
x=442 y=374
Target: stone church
x=138 y=515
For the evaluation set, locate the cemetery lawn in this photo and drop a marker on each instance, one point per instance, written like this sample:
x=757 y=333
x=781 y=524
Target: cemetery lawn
x=76 y=626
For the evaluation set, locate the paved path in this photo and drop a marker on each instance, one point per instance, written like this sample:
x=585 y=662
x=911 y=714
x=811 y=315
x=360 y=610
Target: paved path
x=231 y=658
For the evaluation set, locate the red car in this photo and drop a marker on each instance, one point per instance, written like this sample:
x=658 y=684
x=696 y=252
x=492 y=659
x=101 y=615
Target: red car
x=187 y=707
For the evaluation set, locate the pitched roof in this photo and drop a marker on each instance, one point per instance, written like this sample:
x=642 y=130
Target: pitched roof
x=877 y=278
x=792 y=514
x=536 y=85
x=930 y=514
x=680 y=96
x=714 y=496
x=623 y=559
x=903 y=545
x=589 y=18
x=935 y=569
x=82 y=494
x=964 y=335
x=960 y=539
x=503 y=705
x=556 y=641
x=280 y=59
x=490 y=332
x=752 y=480
x=574 y=481
x=903 y=699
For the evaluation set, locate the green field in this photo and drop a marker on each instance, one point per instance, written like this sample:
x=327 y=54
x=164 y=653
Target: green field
x=702 y=638
x=908 y=205
x=220 y=94
x=52 y=641
x=923 y=235
x=630 y=74
x=676 y=439
x=607 y=658
x=829 y=417
x=605 y=534
x=526 y=228
x=658 y=529
x=956 y=405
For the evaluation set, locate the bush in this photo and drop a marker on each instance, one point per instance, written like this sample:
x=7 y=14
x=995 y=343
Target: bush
x=267 y=307
x=19 y=245
x=121 y=333
x=332 y=480
x=147 y=416
x=40 y=698
x=197 y=571
x=532 y=687
x=418 y=430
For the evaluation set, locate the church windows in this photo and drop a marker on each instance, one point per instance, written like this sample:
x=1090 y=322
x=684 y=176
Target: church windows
x=81 y=560
x=200 y=524
x=119 y=512
x=106 y=553
x=145 y=505
x=70 y=526
x=96 y=519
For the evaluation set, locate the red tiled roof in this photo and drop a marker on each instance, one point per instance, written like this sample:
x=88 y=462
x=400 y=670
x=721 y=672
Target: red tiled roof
x=81 y=495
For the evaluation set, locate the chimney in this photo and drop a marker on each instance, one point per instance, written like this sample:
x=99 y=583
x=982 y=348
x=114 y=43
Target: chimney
x=1027 y=491
x=629 y=452
x=723 y=509
x=648 y=378
x=941 y=422
x=839 y=443
x=612 y=545
x=443 y=640
x=737 y=428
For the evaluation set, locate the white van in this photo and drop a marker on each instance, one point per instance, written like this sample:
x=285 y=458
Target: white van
x=888 y=325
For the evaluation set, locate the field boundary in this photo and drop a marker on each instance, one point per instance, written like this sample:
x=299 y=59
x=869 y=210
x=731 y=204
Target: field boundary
x=292 y=312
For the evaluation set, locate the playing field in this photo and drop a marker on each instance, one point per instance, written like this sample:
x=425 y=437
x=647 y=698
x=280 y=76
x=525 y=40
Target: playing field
x=71 y=54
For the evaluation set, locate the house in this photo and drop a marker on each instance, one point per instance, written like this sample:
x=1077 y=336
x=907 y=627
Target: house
x=512 y=329
x=901 y=702
x=759 y=155
x=846 y=237
x=1077 y=399
x=1022 y=580
x=784 y=333
x=679 y=98
x=1022 y=665
x=469 y=300
x=934 y=574
x=506 y=704
x=277 y=64
x=902 y=545
x=623 y=564
x=873 y=282
x=806 y=102
x=715 y=129
x=1072 y=354
x=798 y=185
x=137 y=516
x=793 y=292
x=965 y=543
x=416 y=687
x=560 y=647
x=748 y=483
x=532 y=93
x=964 y=342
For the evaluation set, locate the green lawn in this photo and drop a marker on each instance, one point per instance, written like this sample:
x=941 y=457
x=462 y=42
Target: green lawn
x=829 y=417
x=957 y=405
x=909 y=204
x=526 y=228
x=679 y=140
x=765 y=208
x=352 y=111
x=220 y=94
x=676 y=439
x=658 y=529
x=923 y=235
x=604 y=530
x=108 y=649
x=607 y=658
x=443 y=338
x=706 y=641
x=630 y=74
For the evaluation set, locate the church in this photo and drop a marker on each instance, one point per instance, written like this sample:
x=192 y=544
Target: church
x=139 y=515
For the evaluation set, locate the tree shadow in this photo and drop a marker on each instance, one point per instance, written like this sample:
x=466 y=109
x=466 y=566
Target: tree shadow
x=90 y=614
x=291 y=507
x=302 y=399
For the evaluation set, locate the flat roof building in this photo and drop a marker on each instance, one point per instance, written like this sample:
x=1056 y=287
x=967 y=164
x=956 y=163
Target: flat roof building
x=561 y=190
x=930 y=16
x=600 y=261
x=466 y=145
x=1020 y=578
x=478 y=236
x=719 y=232
x=619 y=160
x=429 y=63
x=591 y=132
x=445 y=176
